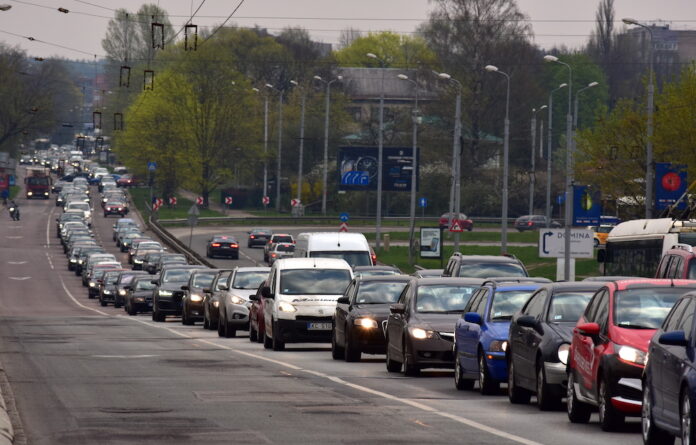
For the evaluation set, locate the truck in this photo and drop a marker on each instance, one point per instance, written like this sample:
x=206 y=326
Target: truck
x=37 y=183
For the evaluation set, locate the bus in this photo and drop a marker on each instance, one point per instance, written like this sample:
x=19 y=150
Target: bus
x=634 y=248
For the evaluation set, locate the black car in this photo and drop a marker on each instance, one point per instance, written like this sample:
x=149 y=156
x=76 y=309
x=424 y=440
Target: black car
x=222 y=246
x=540 y=336
x=375 y=271
x=167 y=295
x=170 y=259
x=150 y=261
x=107 y=286
x=533 y=222
x=258 y=237
x=211 y=302
x=138 y=296
x=484 y=266
x=192 y=303
x=361 y=315
x=420 y=328
x=124 y=279
x=82 y=258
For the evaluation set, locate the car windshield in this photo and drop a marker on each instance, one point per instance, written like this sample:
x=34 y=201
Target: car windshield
x=485 y=270
x=261 y=232
x=78 y=205
x=314 y=281
x=177 y=276
x=282 y=238
x=204 y=279
x=285 y=248
x=249 y=280
x=507 y=302
x=377 y=292
x=111 y=277
x=568 y=306
x=359 y=258
x=126 y=279
x=443 y=298
x=378 y=273
x=144 y=285
x=222 y=279
x=644 y=308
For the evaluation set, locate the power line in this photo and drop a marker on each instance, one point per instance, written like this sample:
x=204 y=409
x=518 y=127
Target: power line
x=239 y=5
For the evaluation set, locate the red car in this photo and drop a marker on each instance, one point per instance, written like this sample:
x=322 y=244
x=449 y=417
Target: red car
x=257 y=329
x=115 y=208
x=464 y=222
x=125 y=181
x=609 y=348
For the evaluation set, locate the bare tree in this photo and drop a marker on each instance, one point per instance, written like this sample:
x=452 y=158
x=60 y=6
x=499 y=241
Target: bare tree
x=348 y=36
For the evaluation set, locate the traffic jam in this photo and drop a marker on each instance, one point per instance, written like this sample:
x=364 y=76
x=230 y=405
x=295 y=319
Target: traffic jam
x=618 y=345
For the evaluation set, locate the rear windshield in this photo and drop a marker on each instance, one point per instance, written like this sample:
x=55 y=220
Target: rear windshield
x=568 y=306
x=282 y=239
x=485 y=270
x=507 y=302
x=144 y=285
x=177 y=276
x=314 y=281
x=443 y=298
x=379 y=292
x=285 y=248
x=644 y=308
x=358 y=258
x=249 y=280
x=204 y=279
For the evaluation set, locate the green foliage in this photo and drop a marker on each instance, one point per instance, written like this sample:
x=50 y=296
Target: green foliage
x=396 y=51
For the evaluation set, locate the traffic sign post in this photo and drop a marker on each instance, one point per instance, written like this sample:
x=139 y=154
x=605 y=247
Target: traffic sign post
x=552 y=245
x=343 y=227
x=344 y=217
x=455 y=227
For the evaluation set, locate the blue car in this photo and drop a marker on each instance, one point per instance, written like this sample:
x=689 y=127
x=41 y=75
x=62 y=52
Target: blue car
x=669 y=379
x=481 y=334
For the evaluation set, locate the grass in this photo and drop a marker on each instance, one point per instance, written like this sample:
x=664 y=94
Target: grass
x=140 y=195
x=538 y=267
x=14 y=190
x=515 y=237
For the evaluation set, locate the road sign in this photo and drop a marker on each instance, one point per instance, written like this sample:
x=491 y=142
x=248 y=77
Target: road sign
x=199 y=200
x=266 y=200
x=344 y=217
x=151 y=166
x=193 y=211
x=423 y=202
x=157 y=203
x=295 y=203
x=552 y=243
x=172 y=200
x=343 y=227
x=455 y=227
x=430 y=242
x=228 y=200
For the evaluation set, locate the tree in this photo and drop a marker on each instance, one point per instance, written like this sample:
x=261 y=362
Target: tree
x=396 y=50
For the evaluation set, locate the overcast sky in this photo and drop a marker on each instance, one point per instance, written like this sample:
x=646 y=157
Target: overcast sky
x=555 y=22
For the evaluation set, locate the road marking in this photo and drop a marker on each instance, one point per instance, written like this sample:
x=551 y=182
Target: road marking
x=126 y=356
x=50 y=263
x=19 y=278
x=14 y=237
x=16 y=263
x=69 y=294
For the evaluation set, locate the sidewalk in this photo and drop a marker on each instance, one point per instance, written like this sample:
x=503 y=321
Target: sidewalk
x=6 y=431
x=216 y=206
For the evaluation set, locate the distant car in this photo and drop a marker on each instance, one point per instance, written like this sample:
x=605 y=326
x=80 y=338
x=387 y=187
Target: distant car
x=115 y=208
x=258 y=237
x=678 y=262
x=484 y=266
x=376 y=271
x=222 y=246
x=533 y=222
x=464 y=222
x=192 y=302
x=276 y=238
x=125 y=181
x=600 y=234
x=279 y=251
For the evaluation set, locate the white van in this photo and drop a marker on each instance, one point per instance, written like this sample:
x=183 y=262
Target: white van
x=300 y=299
x=351 y=247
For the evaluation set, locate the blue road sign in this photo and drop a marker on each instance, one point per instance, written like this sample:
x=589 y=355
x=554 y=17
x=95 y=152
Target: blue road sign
x=344 y=217
x=152 y=166
x=12 y=180
x=560 y=199
x=355 y=178
x=423 y=202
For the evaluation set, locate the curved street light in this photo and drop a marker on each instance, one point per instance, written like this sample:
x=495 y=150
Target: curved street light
x=380 y=147
x=326 y=137
x=532 y=172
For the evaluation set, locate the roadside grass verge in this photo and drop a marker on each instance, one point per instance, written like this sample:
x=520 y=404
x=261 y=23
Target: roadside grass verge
x=141 y=195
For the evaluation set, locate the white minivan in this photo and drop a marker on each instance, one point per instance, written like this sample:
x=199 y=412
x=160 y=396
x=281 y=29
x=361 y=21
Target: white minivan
x=300 y=299
x=351 y=247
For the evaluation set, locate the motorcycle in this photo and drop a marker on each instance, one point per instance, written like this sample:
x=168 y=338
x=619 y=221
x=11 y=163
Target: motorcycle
x=14 y=213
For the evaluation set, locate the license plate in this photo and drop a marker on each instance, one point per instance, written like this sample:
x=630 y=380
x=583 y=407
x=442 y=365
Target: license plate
x=149 y=304
x=318 y=326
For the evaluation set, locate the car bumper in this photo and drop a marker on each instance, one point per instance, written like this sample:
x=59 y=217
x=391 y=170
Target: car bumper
x=556 y=373
x=432 y=353
x=497 y=365
x=299 y=330
x=625 y=385
x=237 y=315
x=224 y=252
x=111 y=298
x=194 y=311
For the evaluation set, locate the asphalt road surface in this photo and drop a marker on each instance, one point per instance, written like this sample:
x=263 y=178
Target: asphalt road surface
x=82 y=374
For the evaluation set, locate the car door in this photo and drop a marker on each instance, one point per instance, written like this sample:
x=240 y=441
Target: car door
x=527 y=339
x=342 y=313
x=585 y=353
x=269 y=304
x=470 y=334
x=674 y=362
x=396 y=323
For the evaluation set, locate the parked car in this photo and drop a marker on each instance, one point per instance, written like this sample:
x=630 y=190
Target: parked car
x=484 y=266
x=669 y=380
x=258 y=237
x=192 y=301
x=540 y=335
x=610 y=344
x=211 y=300
x=420 y=325
x=234 y=303
x=361 y=314
x=464 y=222
x=533 y=222
x=481 y=334
x=222 y=246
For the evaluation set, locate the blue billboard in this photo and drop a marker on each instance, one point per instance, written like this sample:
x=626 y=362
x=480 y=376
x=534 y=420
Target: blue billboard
x=670 y=185
x=587 y=206
x=358 y=168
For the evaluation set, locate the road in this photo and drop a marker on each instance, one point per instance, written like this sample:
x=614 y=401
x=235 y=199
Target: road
x=83 y=374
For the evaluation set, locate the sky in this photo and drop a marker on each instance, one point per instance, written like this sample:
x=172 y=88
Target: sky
x=78 y=34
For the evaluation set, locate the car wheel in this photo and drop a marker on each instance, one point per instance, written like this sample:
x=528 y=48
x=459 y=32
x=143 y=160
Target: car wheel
x=392 y=365
x=267 y=341
x=459 y=382
x=130 y=310
x=253 y=336
x=157 y=316
x=221 y=327
x=609 y=417
x=336 y=351
x=652 y=434
x=578 y=412
x=546 y=399
x=102 y=302
x=410 y=368
x=185 y=320
x=487 y=385
x=516 y=394
x=351 y=352
x=688 y=435
x=278 y=343
x=229 y=331
x=206 y=320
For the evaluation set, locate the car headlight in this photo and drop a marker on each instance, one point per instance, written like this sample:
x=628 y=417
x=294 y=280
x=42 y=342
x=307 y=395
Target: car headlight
x=92 y=284
x=286 y=307
x=107 y=292
x=236 y=299
x=122 y=292
x=80 y=261
x=498 y=346
x=216 y=303
x=631 y=355
x=139 y=299
x=73 y=260
x=196 y=298
x=29 y=193
x=366 y=323
x=421 y=334
x=137 y=261
x=563 y=351
x=166 y=293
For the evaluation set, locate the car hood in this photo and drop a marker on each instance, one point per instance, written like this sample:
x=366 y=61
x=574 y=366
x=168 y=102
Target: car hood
x=437 y=322
x=310 y=300
x=244 y=293
x=142 y=293
x=637 y=338
x=378 y=311
x=172 y=286
x=562 y=330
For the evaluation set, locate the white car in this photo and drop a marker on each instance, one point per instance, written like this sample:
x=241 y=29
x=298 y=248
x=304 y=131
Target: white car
x=82 y=206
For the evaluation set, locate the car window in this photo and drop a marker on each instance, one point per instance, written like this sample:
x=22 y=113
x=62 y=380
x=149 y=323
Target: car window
x=222 y=280
x=349 y=290
x=602 y=315
x=480 y=307
x=644 y=308
x=473 y=301
x=249 y=280
x=535 y=305
x=485 y=270
x=692 y=269
x=377 y=292
x=506 y=302
x=203 y=279
x=674 y=267
x=568 y=306
x=314 y=281
x=671 y=322
x=664 y=266
x=443 y=298
x=687 y=319
x=592 y=306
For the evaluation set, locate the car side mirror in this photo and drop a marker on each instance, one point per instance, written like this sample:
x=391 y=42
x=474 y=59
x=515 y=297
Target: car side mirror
x=253 y=297
x=266 y=292
x=673 y=338
x=588 y=329
x=207 y=290
x=155 y=282
x=472 y=317
x=343 y=300
x=185 y=287
x=528 y=321
x=397 y=308
x=224 y=287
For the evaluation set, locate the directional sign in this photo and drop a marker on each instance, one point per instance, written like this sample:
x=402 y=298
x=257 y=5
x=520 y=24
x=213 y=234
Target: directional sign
x=193 y=211
x=157 y=203
x=344 y=217
x=423 y=202
x=343 y=227
x=295 y=202
x=199 y=200
x=172 y=200
x=552 y=243
x=456 y=227
x=266 y=200
x=152 y=166
x=228 y=200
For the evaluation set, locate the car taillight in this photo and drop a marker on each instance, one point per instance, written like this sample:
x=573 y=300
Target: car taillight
x=215 y=244
x=234 y=245
x=374 y=258
x=251 y=236
x=274 y=255
x=529 y=223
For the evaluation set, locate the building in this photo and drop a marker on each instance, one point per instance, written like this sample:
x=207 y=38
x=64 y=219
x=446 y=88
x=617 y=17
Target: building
x=672 y=48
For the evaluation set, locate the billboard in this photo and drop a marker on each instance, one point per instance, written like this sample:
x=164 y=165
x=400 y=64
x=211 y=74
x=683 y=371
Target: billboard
x=431 y=242
x=587 y=206
x=358 y=168
x=670 y=185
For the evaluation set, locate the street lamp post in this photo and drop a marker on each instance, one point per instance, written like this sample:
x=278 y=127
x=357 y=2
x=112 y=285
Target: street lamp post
x=378 y=226
x=414 y=177
x=280 y=143
x=532 y=174
x=302 y=125
x=506 y=155
x=649 y=171
x=326 y=138
x=577 y=94
x=265 y=142
x=548 y=158
x=456 y=190
x=569 y=167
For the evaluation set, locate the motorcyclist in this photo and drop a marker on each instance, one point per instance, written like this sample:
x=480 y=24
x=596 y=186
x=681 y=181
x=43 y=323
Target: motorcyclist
x=14 y=210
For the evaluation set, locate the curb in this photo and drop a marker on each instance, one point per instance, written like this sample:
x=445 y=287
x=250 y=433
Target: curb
x=6 y=430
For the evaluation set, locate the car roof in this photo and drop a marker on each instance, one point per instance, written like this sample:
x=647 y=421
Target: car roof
x=385 y=278
x=251 y=269
x=447 y=280
x=378 y=267
x=488 y=259
x=574 y=286
x=647 y=283
x=311 y=263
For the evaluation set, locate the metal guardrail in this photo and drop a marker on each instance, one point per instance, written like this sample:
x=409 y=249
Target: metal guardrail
x=267 y=220
x=173 y=242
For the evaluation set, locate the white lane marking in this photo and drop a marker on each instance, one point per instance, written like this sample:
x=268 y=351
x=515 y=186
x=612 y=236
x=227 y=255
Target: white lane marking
x=126 y=356
x=50 y=263
x=14 y=237
x=69 y=294
x=19 y=278
x=16 y=263
x=15 y=227
x=48 y=227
